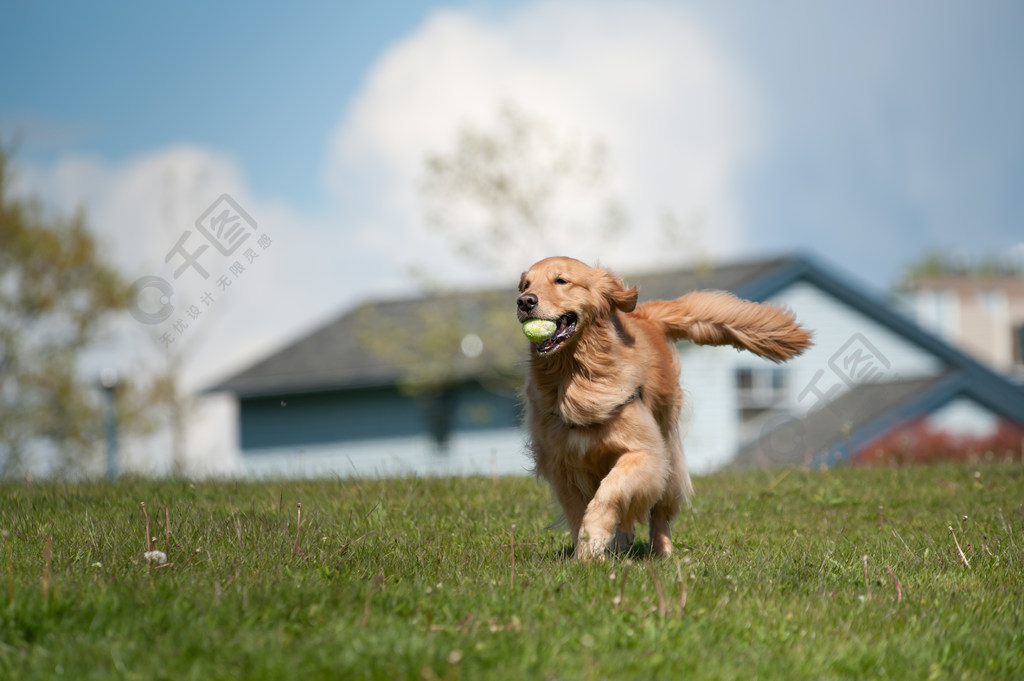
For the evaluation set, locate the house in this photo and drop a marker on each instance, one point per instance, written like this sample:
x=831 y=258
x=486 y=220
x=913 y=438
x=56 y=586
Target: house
x=429 y=385
x=982 y=314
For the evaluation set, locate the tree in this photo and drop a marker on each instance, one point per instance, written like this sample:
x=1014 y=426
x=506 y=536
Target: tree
x=939 y=264
x=500 y=197
x=56 y=291
x=505 y=196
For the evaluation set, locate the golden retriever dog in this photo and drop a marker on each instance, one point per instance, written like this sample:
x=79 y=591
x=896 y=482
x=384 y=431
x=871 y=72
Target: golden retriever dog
x=603 y=394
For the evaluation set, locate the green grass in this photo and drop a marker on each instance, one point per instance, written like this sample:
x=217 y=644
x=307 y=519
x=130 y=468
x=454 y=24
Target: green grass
x=784 y=576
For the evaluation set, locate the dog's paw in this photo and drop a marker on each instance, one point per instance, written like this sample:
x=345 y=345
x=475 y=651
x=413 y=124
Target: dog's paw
x=590 y=551
x=661 y=546
x=590 y=547
x=622 y=542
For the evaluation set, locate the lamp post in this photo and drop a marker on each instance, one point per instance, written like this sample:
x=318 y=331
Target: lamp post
x=108 y=382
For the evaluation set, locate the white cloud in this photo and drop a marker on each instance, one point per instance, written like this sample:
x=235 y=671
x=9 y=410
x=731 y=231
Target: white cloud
x=139 y=209
x=647 y=80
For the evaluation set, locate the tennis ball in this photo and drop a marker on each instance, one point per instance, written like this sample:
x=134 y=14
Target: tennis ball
x=539 y=330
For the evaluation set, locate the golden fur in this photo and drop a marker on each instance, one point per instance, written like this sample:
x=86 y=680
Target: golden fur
x=603 y=396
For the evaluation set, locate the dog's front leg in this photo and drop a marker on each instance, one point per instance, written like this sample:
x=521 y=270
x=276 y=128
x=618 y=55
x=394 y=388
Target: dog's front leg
x=634 y=484
x=572 y=501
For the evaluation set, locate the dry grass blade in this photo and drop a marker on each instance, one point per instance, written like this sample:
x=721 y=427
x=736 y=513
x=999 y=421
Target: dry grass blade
x=149 y=542
x=662 y=608
x=959 y=550
x=47 y=565
x=899 y=587
x=297 y=550
x=682 y=587
x=512 y=549
x=167 y=532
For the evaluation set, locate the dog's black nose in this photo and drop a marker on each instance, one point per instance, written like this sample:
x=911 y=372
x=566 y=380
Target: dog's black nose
x=527 y=302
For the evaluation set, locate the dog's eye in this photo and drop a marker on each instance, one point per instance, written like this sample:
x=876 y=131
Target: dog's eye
x=560 y=281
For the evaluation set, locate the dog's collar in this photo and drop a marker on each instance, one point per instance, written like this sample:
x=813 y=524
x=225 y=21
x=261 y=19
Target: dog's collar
x=638 y=394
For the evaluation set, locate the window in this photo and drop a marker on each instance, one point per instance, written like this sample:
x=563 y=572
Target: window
x=760 y=389
x=994 y=303
x=1018 y=344
x=939 y=311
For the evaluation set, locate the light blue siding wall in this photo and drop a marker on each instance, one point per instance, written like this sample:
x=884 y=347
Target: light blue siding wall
x=486 y=452
x=381 y=432
x=710 y=407
x=849 y=348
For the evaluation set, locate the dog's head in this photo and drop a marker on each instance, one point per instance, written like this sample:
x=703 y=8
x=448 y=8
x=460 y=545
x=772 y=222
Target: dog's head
x=572 y=294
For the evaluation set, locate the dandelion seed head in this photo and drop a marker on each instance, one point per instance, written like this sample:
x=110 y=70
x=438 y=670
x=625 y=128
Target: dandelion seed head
x=158 y=557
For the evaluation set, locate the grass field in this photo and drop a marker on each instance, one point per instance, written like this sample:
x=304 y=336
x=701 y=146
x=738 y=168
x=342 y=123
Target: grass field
x=853 y=573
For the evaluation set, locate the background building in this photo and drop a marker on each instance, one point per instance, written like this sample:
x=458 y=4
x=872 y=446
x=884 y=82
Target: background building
x=429 y=385
x=983 y=315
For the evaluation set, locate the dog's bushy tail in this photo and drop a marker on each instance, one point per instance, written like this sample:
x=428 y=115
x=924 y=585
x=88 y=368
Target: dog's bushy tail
x=720 y=318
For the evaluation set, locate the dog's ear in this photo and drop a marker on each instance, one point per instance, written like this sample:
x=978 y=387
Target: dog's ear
x=618 y=296
x=625 y=300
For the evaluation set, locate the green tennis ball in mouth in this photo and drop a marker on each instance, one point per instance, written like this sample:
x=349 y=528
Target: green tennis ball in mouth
x=539 y=330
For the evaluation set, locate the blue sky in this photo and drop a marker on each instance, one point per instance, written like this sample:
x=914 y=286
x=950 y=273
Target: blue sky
x=863 y=132
x=264 y=82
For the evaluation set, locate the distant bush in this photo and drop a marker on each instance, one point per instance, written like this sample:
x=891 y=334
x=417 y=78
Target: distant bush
x=920 y=443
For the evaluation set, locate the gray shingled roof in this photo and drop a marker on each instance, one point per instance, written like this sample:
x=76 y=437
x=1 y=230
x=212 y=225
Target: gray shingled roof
x=810 y=440
x=387 y=343
x=730 y=277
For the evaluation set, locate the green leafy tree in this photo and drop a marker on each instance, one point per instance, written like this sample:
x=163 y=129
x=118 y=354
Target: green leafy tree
x=510 y=192
x=936 y=264
x=56 y=291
